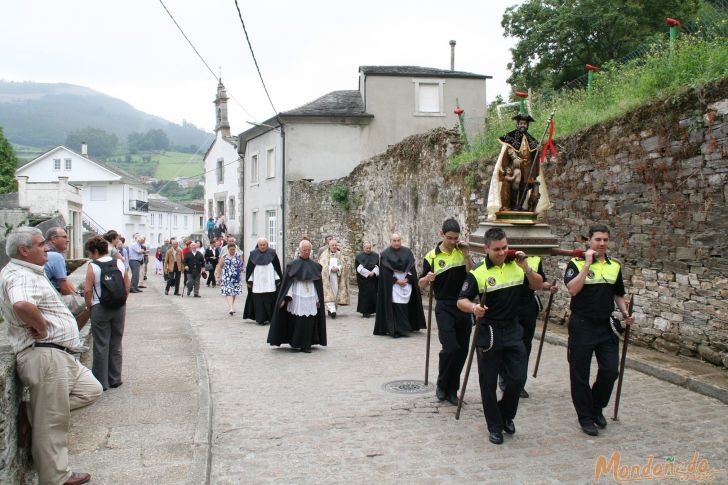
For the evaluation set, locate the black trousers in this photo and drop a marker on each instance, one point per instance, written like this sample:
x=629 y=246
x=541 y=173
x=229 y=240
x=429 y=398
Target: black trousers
x=211 y=277
x=507 y=356
x=587 y=338
x=173 y=280
x=453 y=330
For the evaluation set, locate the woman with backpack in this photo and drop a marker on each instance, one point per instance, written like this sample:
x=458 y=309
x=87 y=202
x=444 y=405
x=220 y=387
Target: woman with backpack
x=228 y=272
x=105 y=291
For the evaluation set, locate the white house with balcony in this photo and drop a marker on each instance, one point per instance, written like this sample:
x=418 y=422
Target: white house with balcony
x=223 y=190
x=328 y=137
x=111 y=197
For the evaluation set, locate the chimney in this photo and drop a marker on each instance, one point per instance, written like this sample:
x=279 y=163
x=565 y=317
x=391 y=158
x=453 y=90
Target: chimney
x=452 y=55
x=84 y=149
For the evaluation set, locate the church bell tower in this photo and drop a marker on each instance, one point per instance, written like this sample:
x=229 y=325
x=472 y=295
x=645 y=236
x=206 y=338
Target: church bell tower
x=222 y=125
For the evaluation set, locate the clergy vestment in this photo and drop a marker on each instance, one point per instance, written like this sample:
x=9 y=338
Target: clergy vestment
x=399 y=308
x=263 y=276
x=367 y=277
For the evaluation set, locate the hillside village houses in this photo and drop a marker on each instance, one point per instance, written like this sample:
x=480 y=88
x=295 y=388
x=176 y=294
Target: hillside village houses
x=169 y=219
x=223 y=187
x=111 y=198
x=328 y=137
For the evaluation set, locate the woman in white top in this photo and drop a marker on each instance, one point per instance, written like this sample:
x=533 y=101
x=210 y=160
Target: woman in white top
x=107 y=324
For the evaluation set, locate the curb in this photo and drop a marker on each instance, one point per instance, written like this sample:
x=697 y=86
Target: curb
x=661 y=373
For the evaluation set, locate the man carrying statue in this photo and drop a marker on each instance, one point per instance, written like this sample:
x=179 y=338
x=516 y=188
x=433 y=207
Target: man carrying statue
x=517 y=183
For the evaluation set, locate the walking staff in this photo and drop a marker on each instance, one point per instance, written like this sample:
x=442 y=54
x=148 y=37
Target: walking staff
x=624 y=360
x=543 y=333
x=468 y=366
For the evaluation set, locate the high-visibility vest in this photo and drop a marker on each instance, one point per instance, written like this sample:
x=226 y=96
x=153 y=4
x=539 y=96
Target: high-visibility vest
x=440 y=261
x=599 y=272
x=497 y=278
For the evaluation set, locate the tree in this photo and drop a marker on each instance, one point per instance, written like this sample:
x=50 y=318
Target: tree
x=151 y=140
x=556 y=38
x=8 y=165
x=101 y=144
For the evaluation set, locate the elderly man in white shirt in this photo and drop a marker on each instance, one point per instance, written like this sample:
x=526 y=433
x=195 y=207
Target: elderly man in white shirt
x=43 y=334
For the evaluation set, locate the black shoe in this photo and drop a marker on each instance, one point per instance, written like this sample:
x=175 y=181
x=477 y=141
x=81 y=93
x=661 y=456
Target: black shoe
x=440 y=393
x=135 y=291
x=177 y=294
x=306 y=350
x=189 y=293
x=600 y=421
x=590 y=429
x=509 y=426
x=166 y=292
x=198 y=296
x=333 y=315
x=366 y=315
x=114 y=386
x=524 y=394
x=496 y=437
x=453 y=399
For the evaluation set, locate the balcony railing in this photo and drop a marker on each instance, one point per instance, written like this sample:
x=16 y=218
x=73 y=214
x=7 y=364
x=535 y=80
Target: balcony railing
x=139 y=205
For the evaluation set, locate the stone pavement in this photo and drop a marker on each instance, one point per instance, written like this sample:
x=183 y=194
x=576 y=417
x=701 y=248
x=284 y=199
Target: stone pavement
x=280 y=416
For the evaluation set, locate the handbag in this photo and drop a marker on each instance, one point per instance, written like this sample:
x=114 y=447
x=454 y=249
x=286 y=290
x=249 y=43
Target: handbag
x=208 y=266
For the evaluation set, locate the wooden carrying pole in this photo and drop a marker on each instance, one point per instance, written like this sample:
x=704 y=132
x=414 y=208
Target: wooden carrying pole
x=543 y=333
x=624 y=359
x=429 y=332
x=467 y=370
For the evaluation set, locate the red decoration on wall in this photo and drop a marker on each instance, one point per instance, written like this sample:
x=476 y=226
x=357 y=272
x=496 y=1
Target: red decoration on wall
x=591 y=67
x=458 y=111
x=550 y=143
x=521 y=94
x=672 y=22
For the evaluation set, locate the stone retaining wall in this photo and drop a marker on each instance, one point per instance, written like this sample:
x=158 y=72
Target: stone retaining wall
x=657 y=177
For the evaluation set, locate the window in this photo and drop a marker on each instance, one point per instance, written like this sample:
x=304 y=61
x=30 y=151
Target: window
x=131 y=193
x=429 y=97
x=185 y=221
x=209 y=208
x=220 y=171
x=272 y=228
x=56 y=164
x=98 y=192
x=220 y=207
x=151 y=219
x=254 y=169
x=67 y=164
x=231 y=207
x=159 y=238
x=271 y=163
x=174 y=221
x=254 y=223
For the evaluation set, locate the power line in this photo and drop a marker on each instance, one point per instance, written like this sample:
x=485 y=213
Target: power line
x=201 y=58
x=240 y=15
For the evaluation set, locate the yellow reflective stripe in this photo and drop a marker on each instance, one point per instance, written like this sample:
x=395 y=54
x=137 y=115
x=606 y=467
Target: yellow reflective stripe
x=503 y=285
x=604 y=273
x=600 y=281
x=449 y=266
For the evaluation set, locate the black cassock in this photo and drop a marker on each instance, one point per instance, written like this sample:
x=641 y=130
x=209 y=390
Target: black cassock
x=286 y=328
x=389 y=314
x=260 y=306
x=367 y=286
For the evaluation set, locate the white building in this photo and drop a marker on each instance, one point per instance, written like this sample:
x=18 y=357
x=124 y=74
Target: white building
x=111 y=197
x=328 y=137
x=223 y=190
x=51 y=198
x=168 y=219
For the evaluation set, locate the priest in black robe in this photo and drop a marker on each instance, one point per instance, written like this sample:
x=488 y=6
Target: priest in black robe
x=300 y=317
x=399 y=302
x=263 y=277
x=367 y=278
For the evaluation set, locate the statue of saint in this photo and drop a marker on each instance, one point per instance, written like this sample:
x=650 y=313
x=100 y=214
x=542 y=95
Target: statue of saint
x=517 y=183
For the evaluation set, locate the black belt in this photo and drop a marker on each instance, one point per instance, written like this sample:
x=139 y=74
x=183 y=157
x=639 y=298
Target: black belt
x=52 y=346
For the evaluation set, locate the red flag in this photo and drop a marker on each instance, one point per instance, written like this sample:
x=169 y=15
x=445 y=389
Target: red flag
x=549 y=144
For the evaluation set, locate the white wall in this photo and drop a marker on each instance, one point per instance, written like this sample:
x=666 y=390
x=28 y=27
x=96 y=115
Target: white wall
x=265 y=195
x=222 y=149
x=391 y=99
x=323 y=151
x=172 y=224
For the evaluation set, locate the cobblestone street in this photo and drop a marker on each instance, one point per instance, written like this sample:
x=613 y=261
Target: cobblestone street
x=280 y=416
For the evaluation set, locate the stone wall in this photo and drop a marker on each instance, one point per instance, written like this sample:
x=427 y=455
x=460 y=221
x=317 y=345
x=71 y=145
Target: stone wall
x=656 y=176
x=408 y=189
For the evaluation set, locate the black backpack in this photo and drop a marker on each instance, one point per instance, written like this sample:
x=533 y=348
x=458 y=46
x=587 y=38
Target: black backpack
x=113 y=292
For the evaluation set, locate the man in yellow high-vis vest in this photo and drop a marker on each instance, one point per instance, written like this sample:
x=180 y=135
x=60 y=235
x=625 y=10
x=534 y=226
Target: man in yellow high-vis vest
x=445 y=268
x=595 y=285
x=499 y=280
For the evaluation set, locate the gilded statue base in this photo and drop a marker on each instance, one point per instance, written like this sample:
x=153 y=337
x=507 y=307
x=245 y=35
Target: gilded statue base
x=516 y=217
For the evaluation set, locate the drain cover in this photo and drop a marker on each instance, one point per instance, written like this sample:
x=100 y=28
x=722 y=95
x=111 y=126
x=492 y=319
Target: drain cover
x=408 y=387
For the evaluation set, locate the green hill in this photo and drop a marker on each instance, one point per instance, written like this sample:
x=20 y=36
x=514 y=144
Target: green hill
x=43 y=114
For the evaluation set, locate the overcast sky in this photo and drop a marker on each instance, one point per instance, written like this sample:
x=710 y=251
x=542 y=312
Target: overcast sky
x=132 y=50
